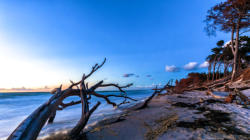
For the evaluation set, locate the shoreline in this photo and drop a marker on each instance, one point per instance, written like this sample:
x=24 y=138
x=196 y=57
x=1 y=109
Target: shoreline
x=26 y=103
x=111 y=118
x=194 y=114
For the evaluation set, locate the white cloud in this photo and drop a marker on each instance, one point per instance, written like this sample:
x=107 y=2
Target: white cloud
x=190 y=66
x=204 y=65
x=171 y=68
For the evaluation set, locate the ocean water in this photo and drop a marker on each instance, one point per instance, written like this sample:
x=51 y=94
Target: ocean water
x=15 y=107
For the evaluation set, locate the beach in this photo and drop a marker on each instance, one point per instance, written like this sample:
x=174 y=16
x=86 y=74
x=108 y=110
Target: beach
x=191 y=115
x=125 y=70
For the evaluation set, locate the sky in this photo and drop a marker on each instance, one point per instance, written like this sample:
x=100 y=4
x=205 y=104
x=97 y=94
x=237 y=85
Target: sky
x=45 y=43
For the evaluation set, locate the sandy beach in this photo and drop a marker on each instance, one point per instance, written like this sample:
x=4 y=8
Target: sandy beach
x=192 y=115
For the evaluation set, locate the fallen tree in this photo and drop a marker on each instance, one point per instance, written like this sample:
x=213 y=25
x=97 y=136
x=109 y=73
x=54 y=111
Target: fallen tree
x=29 y=129
x=157 y=91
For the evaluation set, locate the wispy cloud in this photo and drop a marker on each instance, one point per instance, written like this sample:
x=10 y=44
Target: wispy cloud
x=171 y=68
x=204 y=65
x=191 y=66
x=128 y=75
x=24 y=89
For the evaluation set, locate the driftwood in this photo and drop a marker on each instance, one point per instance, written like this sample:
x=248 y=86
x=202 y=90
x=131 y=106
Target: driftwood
x=31 y=126
x=168 y=87
x=145 y=103
x=29 y=129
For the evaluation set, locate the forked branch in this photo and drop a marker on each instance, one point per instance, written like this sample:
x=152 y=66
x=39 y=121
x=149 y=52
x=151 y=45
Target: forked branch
x=120 y=88
x=94 y=69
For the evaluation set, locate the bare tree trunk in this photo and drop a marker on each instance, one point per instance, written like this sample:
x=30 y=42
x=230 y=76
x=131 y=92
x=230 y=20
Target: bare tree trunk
x=225 y=68
x=218 y=71
x=145 y=104
x=214 y=68
x=32 y=125
x=235 y=52
x=75 y=132
x=218 y=68
x=52 y=117
x=209 y=72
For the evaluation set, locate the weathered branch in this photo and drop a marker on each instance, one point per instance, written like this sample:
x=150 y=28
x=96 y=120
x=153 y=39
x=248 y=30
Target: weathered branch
x=85 y=110
x=75 y=132
x=56 y=90
x=104 y=97
x=244 y=32
x=93 y=88
x=145 y=104
x=31 y=126
x=157 y=91
x=52 y=117
x=76 y=92
x=120 y=88
x=94 y=69
x=122 y=96
x=64 y=105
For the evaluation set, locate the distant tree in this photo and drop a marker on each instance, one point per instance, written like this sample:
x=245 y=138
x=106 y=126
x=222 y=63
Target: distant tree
x=176 y=82
x=214 y=58
x=229 y=16
x=209 y=67
x=210 y=60
x=244 y=51
x=227 y=59
x=220 y=55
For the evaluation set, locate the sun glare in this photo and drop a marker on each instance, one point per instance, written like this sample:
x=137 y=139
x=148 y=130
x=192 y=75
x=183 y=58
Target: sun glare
x=19 y=70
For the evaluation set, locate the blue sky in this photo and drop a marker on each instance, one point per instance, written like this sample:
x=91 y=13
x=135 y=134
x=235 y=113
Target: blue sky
x=48 y=42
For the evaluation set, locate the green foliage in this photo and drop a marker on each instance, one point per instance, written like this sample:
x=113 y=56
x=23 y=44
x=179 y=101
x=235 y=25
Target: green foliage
x=244 y=50
x=220 y=43
x=225 y=16
x=223 y=56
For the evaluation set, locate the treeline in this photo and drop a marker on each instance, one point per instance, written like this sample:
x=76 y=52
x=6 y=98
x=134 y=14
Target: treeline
x=226 y=59
x=221 y=61
x=220 y=65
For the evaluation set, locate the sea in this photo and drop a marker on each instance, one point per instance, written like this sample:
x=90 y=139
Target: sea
x=15 y=107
